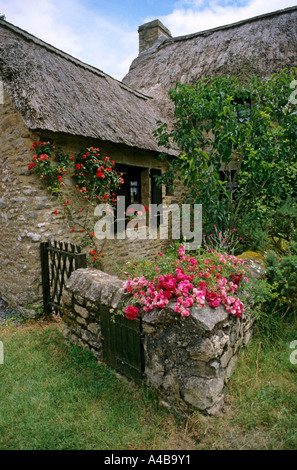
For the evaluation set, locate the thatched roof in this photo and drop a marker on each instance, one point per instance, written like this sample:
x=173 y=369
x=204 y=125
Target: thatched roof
x=259 y=46
x=55 y=92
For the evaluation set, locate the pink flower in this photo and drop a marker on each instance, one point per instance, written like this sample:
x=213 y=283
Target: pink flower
x=213 y=299
x=180 y=284
x=131 y=312
x=185 y=312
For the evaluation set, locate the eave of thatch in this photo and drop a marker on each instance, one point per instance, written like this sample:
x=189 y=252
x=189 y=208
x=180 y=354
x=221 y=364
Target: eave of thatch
x=259 y=46
x=55 y=92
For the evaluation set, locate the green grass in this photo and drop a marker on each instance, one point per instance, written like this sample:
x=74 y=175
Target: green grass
x=57 y=397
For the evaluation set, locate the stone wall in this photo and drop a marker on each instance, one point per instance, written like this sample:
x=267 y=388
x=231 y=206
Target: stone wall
x=188 y=361
x=27 y=208
x=24 y=211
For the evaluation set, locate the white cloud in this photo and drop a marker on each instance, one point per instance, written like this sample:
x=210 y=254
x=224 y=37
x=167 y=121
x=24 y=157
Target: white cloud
x=42 y=19
x=191 y=16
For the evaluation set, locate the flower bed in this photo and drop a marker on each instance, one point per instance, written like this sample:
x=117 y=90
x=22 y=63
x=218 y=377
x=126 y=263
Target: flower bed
x=191 y=280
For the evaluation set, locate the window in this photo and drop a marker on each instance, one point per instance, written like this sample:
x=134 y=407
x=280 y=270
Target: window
x=228 y=176
x=243 y=109
x=156 y=193
x=131 y=188
x=140 y=187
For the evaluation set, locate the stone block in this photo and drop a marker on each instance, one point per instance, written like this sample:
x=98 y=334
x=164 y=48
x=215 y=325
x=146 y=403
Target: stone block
x=67 y=298
x=202 y=393
x=94 y=328
x=209 y=348
x=208 y=318
x=83 y=312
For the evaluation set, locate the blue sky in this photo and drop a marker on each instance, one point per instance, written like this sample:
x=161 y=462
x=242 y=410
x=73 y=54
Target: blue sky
x=104 y=33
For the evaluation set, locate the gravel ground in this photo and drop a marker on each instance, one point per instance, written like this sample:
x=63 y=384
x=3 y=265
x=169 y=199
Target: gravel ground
x=8 y=316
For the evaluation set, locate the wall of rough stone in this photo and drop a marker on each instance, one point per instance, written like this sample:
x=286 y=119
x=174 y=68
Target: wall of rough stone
x=188 y=361
x=24 y=211
x=27 y=208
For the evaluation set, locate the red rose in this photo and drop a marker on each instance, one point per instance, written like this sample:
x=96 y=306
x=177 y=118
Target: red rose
x=131 y=312
x=213 y=299
x=31 y=166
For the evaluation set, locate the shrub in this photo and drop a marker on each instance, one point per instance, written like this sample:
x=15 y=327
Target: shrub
x=282 y=274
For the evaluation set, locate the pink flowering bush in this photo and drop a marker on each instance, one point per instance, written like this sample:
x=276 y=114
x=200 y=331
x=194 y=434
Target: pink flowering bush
x=207 y=277
x=227 y=241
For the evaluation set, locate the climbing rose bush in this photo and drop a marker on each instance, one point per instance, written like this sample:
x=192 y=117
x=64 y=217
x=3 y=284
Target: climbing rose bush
x=94 y=180
x=212 y=278
x=92 y=171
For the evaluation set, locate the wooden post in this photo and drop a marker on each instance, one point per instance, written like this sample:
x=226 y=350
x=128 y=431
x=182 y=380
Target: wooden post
x=80 y=260
x=45 y=276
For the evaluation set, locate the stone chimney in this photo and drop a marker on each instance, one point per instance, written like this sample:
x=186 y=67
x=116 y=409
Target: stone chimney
x=151 y=34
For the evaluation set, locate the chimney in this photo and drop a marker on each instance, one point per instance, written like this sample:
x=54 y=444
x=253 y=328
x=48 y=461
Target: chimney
x=151 y=34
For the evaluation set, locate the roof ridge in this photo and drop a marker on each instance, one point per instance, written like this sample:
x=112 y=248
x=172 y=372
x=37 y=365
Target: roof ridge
x=227 y=26
x=69 y=57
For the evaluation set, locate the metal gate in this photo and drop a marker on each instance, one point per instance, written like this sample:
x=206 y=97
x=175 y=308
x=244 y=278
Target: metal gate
x=123 y=344
x=58 y=261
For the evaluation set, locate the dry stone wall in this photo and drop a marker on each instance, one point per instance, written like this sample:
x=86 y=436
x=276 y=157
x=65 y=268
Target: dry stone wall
x=188 y=361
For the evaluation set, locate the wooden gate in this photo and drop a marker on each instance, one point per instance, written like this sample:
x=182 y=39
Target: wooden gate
x=58 y=261
x=122 y=344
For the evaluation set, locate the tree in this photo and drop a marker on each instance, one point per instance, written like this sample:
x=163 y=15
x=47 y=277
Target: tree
x=238 y=146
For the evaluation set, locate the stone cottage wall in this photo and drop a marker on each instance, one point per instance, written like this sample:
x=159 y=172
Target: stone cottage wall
x=24 y=211
x=188 y=361
x=27 y=208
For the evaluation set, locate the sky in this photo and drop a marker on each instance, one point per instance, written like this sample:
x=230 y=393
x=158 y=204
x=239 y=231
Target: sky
x=104 y=34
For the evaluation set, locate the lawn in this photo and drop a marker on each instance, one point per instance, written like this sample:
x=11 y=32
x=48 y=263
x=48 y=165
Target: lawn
x=55 y=396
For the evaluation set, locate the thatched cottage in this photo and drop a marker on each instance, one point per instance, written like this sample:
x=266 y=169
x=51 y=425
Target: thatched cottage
x=47 y=94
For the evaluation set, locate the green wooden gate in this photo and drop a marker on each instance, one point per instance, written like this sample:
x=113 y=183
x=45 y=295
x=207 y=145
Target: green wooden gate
x=123 y=344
